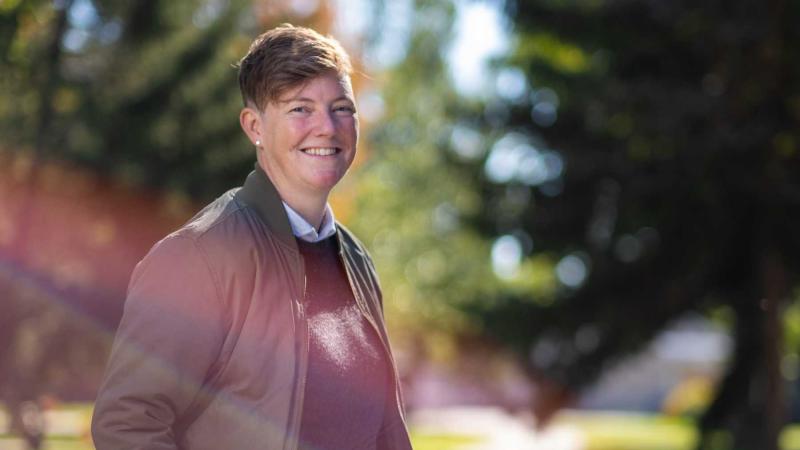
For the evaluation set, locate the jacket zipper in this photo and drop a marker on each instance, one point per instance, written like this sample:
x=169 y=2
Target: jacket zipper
x=300 y=386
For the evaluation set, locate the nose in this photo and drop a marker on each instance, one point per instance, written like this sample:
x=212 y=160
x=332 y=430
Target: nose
x=326 y=124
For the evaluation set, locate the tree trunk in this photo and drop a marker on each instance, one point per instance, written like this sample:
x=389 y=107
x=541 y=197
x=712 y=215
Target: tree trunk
x=774 y=285
x=733 y=395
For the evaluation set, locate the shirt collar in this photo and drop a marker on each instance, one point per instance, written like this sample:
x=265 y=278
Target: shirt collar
x=305 y=231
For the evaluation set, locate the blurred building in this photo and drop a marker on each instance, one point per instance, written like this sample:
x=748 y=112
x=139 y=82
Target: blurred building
x=674 y=374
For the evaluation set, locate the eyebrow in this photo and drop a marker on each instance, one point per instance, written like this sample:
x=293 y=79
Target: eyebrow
x=308 y=100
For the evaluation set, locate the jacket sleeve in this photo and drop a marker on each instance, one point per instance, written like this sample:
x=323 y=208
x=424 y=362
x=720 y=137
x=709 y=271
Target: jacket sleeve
x=168 y=340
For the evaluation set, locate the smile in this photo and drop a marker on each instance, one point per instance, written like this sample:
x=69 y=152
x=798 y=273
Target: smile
x=320 y=151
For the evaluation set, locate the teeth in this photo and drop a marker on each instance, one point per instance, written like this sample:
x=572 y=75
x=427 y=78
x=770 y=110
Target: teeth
x=320 y=151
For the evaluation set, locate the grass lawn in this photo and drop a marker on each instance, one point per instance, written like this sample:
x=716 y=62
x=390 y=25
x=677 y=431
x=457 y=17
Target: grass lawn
x=11 y=443
x=602 y=431
x=619 y=431
x=440 y=441
x=420 y=442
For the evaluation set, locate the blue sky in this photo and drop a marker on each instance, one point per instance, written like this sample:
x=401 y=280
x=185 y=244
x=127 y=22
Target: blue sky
x=481 y=32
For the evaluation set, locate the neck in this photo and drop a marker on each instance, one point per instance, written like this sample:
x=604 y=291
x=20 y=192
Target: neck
x=312 y=210
x=310 y=206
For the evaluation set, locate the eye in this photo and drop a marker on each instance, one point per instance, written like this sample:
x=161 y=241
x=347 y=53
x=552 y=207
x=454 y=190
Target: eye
x=344 y=109
x=300 y=109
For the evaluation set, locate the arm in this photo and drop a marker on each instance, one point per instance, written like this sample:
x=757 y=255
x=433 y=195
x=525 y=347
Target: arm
x=169 y=338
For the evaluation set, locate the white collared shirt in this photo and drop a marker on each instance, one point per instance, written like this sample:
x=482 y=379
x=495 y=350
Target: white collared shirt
x=305 y=231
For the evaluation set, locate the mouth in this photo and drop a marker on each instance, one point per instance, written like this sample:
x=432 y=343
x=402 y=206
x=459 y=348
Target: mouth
x=321 y=151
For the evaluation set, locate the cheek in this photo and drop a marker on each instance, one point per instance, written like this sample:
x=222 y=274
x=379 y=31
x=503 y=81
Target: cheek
x=349 y=127
x=292 y=132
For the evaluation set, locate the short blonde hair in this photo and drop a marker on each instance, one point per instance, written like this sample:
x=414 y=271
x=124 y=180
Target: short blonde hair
x=285 y=57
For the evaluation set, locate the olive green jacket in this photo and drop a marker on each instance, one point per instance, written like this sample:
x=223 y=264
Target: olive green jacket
x=212 y=349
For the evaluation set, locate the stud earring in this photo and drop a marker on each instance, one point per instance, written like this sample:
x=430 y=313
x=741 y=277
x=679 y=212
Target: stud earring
x=258 y=142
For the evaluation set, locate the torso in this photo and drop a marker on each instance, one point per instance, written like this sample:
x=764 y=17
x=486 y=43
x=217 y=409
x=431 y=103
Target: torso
x=348 y=372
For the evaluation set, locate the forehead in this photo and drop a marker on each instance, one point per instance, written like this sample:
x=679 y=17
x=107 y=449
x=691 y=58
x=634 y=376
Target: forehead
x=326 y=87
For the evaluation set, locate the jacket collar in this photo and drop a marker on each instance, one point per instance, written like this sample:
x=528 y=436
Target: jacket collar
x=259 y=193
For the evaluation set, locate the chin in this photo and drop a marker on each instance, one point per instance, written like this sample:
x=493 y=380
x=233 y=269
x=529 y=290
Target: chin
x=326 y=187
x=326 y=182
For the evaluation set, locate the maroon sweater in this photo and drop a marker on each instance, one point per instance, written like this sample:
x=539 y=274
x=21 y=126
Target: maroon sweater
x=348 y=374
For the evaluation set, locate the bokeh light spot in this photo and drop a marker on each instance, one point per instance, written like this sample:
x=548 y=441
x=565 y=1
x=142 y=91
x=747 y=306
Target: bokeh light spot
x=466 y=142
x=82 y=14
x=371 y=105
x=511 y=84
x=544 y=114
x=628 y=248
x=506 y=256
x=572 y=270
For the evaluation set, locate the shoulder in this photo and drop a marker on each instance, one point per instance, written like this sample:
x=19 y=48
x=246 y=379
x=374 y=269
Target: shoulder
x=225 y=227
x=356 y=250
x=217 y=214
x=221 y=235
x=356 y=253
x=352 y=243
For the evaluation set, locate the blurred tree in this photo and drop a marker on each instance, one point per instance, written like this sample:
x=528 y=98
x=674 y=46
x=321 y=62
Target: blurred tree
x=142 y=91
x=641 y=164
x=418 y=205
x=134 y=90
x=676 y=123
x=104 y=103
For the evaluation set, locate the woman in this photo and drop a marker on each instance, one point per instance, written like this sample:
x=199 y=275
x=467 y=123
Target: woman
x=259 y=323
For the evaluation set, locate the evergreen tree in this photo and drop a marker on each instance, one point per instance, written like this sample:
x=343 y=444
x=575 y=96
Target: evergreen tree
x=142 y=91
x=117 y=119
x=676 y=125
x=635 y=164
x=418 y=207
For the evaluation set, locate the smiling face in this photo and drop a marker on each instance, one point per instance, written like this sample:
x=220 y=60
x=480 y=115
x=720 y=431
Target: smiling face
x=308 y=137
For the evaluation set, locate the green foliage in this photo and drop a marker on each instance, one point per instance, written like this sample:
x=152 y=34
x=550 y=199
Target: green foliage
x=650 y=160
x=674 y=181
x=678 y=137
x=144 y=91
x=418 y=202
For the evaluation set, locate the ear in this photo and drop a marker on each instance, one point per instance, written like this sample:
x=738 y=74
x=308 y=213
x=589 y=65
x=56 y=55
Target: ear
x=250 y=120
